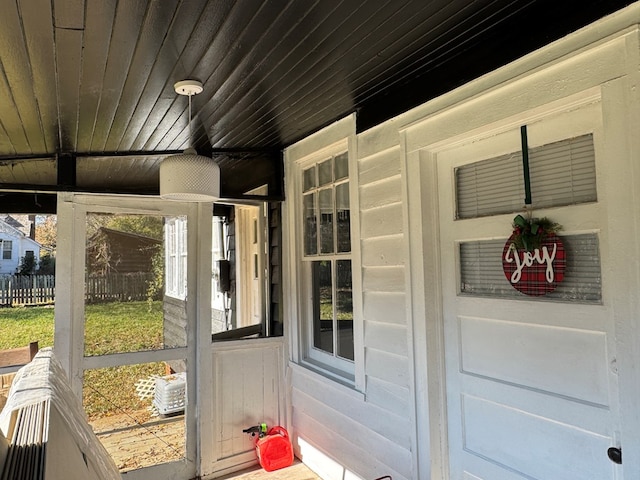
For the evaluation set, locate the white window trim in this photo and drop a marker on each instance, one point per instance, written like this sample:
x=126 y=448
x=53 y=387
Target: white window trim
x=176 y=261
x=333 y=140
x=10 y=249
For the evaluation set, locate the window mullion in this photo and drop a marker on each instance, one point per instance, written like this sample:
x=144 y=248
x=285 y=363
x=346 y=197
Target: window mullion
x=334 y=264
x=334 y=294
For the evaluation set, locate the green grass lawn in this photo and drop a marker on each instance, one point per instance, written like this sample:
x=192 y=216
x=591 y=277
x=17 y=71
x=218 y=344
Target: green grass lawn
x=109 y=328
x=21 y=325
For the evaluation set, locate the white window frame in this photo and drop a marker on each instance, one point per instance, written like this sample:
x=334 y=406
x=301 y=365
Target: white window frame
x=176 y=258
x=7 y=246
x=298 y=284
x=312 y=353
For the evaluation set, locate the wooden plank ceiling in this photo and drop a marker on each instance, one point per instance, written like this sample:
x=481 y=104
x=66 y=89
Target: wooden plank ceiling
x=86 y=86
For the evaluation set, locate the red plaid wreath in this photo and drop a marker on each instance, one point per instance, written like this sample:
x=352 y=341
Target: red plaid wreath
x=534 y=259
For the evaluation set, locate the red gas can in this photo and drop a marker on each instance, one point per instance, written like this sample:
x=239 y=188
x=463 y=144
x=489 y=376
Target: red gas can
x=274 y=449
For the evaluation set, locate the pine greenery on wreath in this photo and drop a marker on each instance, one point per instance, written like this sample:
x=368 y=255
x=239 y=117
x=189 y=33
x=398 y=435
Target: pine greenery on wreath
x=528 y=233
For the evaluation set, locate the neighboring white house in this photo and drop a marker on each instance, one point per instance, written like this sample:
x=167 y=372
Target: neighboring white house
x=14 y=246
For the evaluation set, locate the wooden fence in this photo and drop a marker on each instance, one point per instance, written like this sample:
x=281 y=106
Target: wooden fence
x=16 y=290
x=117 y=287
x=27 y=290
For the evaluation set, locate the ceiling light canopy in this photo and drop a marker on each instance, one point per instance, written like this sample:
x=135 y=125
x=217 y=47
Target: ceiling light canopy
x=189 y=177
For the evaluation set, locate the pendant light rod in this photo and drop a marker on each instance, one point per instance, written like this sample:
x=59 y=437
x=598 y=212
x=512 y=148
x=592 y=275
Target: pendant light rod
x=189 y=88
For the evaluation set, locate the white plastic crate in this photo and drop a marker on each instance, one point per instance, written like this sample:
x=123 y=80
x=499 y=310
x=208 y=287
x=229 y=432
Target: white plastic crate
x=170 y=393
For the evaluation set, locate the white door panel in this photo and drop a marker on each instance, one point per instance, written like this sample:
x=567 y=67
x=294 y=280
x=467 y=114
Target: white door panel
x=531 y=384
x=248 y=390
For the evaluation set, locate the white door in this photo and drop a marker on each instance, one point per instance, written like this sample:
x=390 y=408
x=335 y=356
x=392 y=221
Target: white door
x=114 y=365
x=250 y=263
x=531 y=384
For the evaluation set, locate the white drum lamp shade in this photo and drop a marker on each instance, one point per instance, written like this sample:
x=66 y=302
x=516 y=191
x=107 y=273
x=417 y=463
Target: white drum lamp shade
x=189 y=177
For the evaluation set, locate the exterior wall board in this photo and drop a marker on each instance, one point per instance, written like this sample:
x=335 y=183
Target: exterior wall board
x=381 y=193
x=380 y=139
x=388 y=367
x=382 y=221
x=370 y=439
x=373 y=427
x=382 y=251
x=388 y=395
x=383 y=279
x=380 y=166
x=386 y=337
x=348 y=452
x=386 y=307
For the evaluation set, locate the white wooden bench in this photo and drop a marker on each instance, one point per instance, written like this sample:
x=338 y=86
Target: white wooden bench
x=13 y=357
x=10 y=361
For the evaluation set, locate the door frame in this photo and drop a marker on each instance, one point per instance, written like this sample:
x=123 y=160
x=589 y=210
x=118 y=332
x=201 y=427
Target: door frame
x=250 y=235
x=69 y=313
x=419 y=143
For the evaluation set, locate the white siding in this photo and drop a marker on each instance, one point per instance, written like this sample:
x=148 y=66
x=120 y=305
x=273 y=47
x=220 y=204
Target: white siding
x=395 y=423
x=369 y=432
x=367 y=439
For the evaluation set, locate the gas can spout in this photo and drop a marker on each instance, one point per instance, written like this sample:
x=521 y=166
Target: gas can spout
x=260 y=430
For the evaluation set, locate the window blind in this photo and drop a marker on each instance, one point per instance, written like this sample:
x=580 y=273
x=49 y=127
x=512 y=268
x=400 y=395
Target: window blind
x=561 y=173
x=490 y=187
x=481 y=271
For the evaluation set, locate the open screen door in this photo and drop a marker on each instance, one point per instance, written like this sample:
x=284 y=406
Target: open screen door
x=127 y=324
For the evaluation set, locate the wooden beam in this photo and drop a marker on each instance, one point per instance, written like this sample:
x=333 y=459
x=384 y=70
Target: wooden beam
x=67 y=169
x=19 y=202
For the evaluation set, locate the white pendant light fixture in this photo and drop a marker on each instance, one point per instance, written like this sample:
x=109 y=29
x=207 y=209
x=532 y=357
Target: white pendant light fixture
x=189 y=177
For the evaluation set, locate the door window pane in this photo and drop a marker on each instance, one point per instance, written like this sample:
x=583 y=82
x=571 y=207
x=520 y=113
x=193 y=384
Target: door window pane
x=482 y=275
x=562 y=173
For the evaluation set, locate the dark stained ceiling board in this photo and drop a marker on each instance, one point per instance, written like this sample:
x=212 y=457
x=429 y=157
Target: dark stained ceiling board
x=90 y=82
